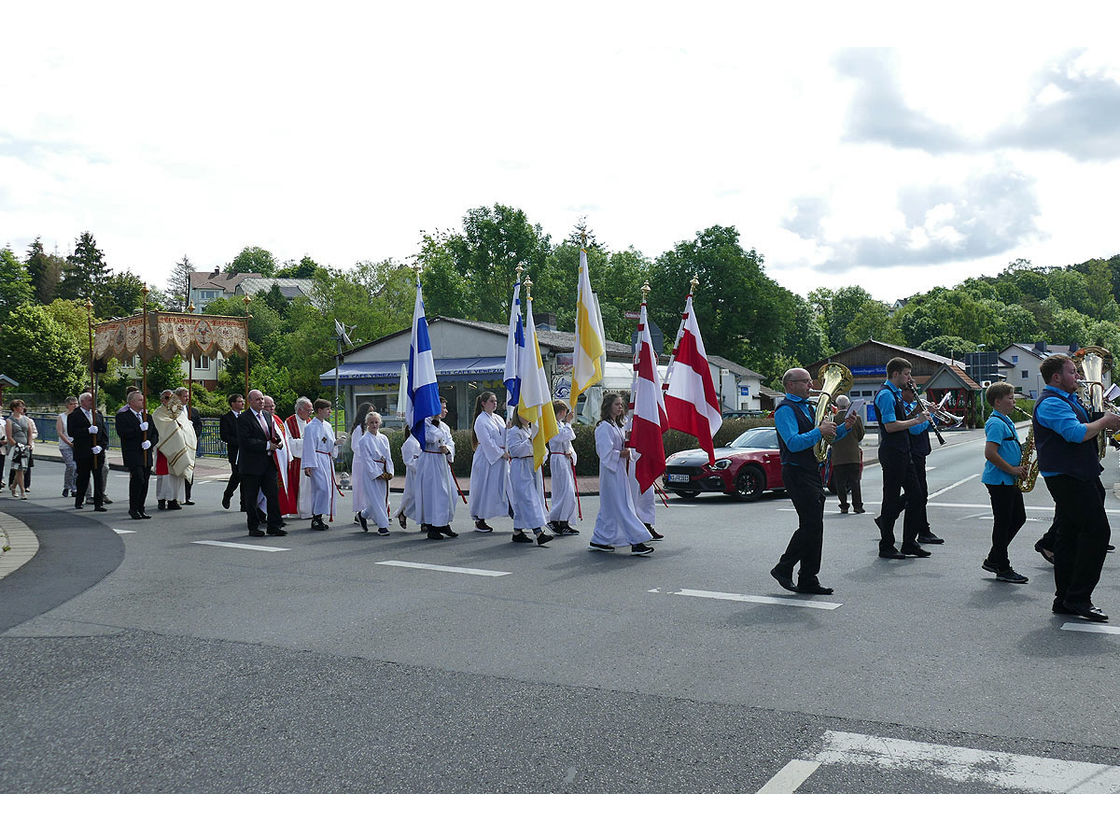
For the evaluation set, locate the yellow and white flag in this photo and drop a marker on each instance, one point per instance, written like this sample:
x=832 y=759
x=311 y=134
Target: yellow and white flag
x=535 y=401
x=590 y=344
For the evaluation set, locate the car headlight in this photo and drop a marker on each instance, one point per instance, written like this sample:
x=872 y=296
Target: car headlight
x=722 y=464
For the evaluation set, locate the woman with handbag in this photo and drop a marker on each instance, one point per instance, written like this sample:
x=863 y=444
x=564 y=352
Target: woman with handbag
x=17 y=430
x=66 y=449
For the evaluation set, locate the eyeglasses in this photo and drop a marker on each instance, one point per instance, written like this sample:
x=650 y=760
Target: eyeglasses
x=795 y=381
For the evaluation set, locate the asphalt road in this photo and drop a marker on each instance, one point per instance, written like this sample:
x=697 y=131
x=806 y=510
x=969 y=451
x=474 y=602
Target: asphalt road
x=159 y=664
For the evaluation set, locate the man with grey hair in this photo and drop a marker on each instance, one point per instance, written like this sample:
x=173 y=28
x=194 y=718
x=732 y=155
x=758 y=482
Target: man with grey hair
x=846 y=458
x=299 y=484
x=174 y=452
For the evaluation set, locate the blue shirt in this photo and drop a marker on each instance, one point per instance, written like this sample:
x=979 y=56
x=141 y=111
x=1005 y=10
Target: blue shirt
x=786 y=425
x=1000 y=430
x=1066 y=416
x=884 y=403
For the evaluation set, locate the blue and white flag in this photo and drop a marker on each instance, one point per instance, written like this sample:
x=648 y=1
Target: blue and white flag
x=515 y=346
x=423 y=390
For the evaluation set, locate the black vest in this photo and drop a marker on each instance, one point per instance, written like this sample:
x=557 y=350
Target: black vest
x=919 y=443
x=1058 y=455
x=806 y=458
x=900 y=440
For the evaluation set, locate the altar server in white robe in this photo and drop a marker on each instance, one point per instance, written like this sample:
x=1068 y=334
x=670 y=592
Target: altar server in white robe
x=377 y=470
x=357 y=492
x=410 y=455
x=490 y=465
x=562 y=465
x=435 y=501
x=319 y=452
x=617 y=523
x=525 y=494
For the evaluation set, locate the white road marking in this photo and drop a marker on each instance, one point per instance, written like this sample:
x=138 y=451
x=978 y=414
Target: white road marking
x=752 y=599
x=1090 y=628
x=1026 y=773
x=433 y=568
x=790 y=777
x=681 y=504
x=951 y=486
x=122 y=531
x=220 y=544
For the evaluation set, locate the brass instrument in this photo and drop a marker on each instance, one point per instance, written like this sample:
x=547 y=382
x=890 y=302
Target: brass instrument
x=835 y=379
x=1094 y=361
x=1029 y=460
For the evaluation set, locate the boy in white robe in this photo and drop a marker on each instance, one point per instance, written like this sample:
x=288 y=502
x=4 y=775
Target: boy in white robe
x=377 y=470
x=319 y=452
x=526 y=498
x=562 y=466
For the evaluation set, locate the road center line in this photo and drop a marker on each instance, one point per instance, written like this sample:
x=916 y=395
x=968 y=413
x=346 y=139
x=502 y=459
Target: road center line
x=790 y=777
x=752 y=599
x=1078 y=627
x=951 y=486
x=434 y=568
x=220 y=544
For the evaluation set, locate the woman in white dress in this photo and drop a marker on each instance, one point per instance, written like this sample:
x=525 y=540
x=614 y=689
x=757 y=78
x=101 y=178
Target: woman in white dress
x=617 y=524
x=357 y=465
x=374 y=479
x=319 y=451
x=524 y=493
x=435 y=501
x=490 y=465
x=410 y=454
x=562 y=464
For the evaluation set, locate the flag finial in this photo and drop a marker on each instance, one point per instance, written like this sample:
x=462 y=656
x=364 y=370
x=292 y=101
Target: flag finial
x=693 y=284
x=520 y=269
x=528 y=283
x=645 y=291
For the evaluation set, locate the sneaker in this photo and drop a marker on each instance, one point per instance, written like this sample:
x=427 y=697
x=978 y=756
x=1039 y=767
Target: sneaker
x=1047 y=553
x=569 y=531
x=1009 y=575
x=653 y=535
x=556 y=527
x=448 y=532
x=382 y=532
x=363 y=522
x=601 y=547
x=521 y=537
x=641 y=549
x=543 y=538
x=990 y=567
x=481 y=527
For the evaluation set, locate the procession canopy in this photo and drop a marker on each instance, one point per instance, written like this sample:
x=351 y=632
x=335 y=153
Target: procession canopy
x=170 y=334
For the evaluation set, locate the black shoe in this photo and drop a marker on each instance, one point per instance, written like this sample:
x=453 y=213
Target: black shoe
x=914 y=550
x=843 y=510
x=991 y=567
x=101 y=509
x=363 y=522
x=403 y=520
x=163 y=504
x=653 y=535
x=433 y=534
x=601 y=547
x=144 y=515
x=569 y=531
x=188 y=502
x=105 y=500
x=556 y=527
x=447 y=532
x=858 y=510
x=813 y=588
x=1047 y=553
x=424 y=528
x=1110 y=547
x=1009 y=575
x=78 y=507
x=1089 y=613
x=256 y=532
x=481 y=527
x=522 y=538
x=225 y=503
x=879 y=522
x=276 y=532
x=382 y=532
x=930 y=539
x=543 y=538
x=65 y=492
x=173 y=506
x=134 y=515
x=891 y=554
x=784 y=580
x=641 y=549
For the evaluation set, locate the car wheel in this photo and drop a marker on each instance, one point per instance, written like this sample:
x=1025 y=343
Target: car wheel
x=687 y=494
x=750 y=481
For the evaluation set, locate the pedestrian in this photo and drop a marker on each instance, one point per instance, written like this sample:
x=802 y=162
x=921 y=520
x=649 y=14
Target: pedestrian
x=617 y=523
x=377 y=461
x=320 y=448
x=195 y=418
x=66 y=449
x=138 y=435
x=898 y=468
x=562 y=467
x=798 y=435
x=17 y=430
x=357 y=492
x=1004 y=467
x=175 y=450
x=257 y=440
x=299 y=483
x=845 y=459
x=524 y=495
x=490 y=464
x=410 y=454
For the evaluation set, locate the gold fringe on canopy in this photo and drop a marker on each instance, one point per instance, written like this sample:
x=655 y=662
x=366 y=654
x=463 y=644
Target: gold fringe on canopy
x=170 y=334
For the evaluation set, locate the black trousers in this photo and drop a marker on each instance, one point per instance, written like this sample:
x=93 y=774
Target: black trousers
x=845 y=477
x=268 y=484
x=1009 y=515
x=234 y=481
x=898 y=475
x=85 y=470
x=807 y=494
x=139 y=479
x=1083 y=535
x=923 y=495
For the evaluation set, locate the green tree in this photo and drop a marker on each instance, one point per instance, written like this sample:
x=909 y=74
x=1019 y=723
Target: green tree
x=949 y=345
x=253 y=260
x=45 y=270
x=178 y=283
x=84 y=270
x=118 y=295
x=39 y=353
x=305 y=269
x=15 y=283
x=872 y=321
x=837 y=309
x=164 y=374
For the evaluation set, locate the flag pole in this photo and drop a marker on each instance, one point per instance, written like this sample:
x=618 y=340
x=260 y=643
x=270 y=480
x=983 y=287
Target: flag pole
x=92 y=375
x=245 y=300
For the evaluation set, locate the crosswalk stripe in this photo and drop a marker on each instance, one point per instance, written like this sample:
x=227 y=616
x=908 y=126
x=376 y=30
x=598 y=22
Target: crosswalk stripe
x=431 y=567
x=751 y=599
x=243 y=546
x=1078 y=627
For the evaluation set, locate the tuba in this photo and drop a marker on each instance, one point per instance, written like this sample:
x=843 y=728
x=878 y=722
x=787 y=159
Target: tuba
x=1094 y=361
x=835 y=380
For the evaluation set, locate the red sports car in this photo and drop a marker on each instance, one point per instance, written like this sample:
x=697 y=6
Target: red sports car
x=747 y=467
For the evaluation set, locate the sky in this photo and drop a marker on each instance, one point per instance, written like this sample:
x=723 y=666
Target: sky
x=848 y=143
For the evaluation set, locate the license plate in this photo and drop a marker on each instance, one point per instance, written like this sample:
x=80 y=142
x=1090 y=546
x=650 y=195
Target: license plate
x=678 y=478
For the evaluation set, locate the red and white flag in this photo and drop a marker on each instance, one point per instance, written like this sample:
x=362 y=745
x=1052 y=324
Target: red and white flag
x=690 y=396
x=649 y=421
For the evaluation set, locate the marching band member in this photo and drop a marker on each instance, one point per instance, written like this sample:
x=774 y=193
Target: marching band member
x=526 y=498
x=562 y=466
x=319 y=451
x=920 y=449
x=1004 y=467
x=898 y=468
x=435 y=500
x=616 y=524
x=410 y=454
x=377 y=462
x=490 y=465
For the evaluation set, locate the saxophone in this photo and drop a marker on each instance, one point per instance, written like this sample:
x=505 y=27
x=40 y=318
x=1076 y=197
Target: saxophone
x=1030 y=460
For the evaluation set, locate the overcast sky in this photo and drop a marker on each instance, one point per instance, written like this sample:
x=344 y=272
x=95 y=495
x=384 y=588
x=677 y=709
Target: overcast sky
x=980 y=135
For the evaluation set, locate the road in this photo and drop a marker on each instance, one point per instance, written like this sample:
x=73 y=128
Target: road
x=145 y=661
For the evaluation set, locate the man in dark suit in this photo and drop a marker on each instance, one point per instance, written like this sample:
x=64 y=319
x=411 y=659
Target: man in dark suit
x=86 y=427
x=138 y=435
x=195 y=417
x=227 y=431
x=256 y=441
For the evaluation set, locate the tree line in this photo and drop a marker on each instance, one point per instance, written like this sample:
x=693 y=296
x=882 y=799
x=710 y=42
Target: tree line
x=745 y=315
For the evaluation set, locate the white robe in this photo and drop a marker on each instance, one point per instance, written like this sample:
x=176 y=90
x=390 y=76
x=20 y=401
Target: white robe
x=303 y=495
x=435 y=502
x=525 y=495
x=617 y=523
x=645 y=504
x=319 y=452
x=410 y=454
x=561 y=465
x=488 y=469
x=357 y=467
x=376 y=460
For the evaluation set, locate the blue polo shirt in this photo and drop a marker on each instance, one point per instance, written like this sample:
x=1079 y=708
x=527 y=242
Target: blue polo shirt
x=884 y=403
x=1000 y=430
x=1067 y=417
x=786 y=425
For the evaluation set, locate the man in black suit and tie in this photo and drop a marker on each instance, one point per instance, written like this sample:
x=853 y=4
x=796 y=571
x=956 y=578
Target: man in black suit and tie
x=256 y=441
x=86 y=427
x=138 y=435
x=227 y=431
